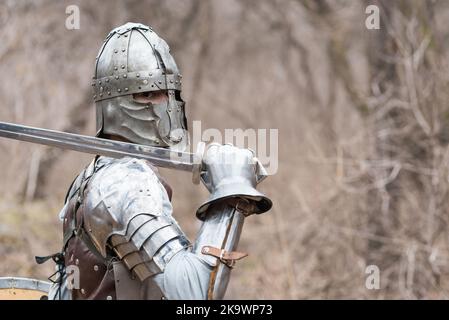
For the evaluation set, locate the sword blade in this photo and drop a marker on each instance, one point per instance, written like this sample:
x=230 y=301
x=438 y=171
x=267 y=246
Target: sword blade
x=160 y=157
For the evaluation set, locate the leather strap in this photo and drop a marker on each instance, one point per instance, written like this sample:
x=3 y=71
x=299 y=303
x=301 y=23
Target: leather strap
x=58 y=258
x=227 y=257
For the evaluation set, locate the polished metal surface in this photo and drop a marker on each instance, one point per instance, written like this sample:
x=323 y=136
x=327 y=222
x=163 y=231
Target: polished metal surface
x=230 y=172
x=221 y=229
x=12 y=288
x=128 y=208
x=24 y=283
x=223 y=273
x=126 y=205
x=161 y=157
x=134 y=59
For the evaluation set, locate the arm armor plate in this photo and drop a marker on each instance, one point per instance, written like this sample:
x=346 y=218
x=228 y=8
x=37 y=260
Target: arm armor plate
x=127 y=209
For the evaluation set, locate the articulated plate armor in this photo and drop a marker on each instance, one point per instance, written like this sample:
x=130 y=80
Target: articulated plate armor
x=120 y=238
x=118 y=224
x=120 y=233
x=128 y=210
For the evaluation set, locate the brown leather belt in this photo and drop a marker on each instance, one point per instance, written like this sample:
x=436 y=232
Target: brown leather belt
x=227 y=257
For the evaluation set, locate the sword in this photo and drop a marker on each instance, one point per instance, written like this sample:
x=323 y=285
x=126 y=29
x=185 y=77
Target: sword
x=160 y=157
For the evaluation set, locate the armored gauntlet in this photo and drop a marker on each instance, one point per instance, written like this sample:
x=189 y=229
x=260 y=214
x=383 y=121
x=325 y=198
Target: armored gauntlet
x=231 y=177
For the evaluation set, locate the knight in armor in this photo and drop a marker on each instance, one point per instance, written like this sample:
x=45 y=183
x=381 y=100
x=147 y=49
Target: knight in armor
x=119 y=232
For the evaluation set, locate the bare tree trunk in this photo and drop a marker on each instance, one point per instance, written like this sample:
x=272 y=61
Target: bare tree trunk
x=78 y=120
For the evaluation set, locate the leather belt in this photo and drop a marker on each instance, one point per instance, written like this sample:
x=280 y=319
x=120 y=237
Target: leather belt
x=227 y=257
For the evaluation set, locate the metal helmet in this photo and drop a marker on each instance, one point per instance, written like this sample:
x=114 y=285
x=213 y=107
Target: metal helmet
x=134 y=59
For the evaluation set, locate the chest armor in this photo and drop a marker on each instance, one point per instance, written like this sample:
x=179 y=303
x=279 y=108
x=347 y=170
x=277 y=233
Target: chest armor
x=96 y=277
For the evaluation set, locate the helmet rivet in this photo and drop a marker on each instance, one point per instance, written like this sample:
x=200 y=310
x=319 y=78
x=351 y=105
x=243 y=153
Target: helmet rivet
x=125 y=76
x=101 y=95
x=152 y=86
x=171 y=81
x=160 y=82
x=99 y=82
x=115 y=51
x=116 y=77
x=119 y=90
x=126 y=35
x=145 y=81
x=93 y=84
x=115 y=68
x=123 y=50
x=151 y=74
x=126 y=89
x=95 y=267
x=138 y=75
x=123 y=66
x=107 y=80
x=140 y=87
x=95 y=96
x=109 y=93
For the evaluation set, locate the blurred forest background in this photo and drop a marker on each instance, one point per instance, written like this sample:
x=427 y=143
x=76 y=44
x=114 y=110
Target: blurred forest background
x=363 y=119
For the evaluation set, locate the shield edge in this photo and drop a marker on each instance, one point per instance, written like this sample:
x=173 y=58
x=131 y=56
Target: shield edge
x=24 y=283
